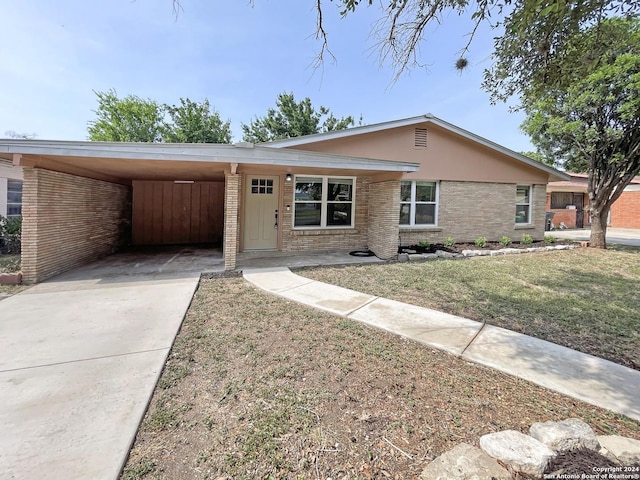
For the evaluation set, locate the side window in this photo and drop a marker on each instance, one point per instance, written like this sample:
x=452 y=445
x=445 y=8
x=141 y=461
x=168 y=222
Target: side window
x=14 y=198
x=523 y=204
x=418 y=203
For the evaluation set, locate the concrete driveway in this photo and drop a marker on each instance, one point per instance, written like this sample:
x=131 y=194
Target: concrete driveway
x=79 y=358
x=618 y=236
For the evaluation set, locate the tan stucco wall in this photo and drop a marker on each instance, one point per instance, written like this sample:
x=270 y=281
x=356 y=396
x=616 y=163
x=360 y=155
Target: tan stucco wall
x=448 y=156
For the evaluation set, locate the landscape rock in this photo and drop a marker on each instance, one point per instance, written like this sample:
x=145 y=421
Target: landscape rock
x=443 y=254
x=623 y=450
x=403 y=257
x=469 y=253
x=570 y=434
x=464 y=462
x=518 y=451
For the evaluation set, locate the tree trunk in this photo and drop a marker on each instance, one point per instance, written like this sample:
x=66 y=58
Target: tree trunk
x=598 y=230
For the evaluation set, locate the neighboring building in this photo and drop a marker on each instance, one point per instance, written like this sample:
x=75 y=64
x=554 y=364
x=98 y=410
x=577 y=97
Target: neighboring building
x=364 y=188
x=10 y=189
x=568 y=199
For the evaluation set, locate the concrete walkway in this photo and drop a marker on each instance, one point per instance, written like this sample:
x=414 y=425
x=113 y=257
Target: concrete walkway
x=578 y=375
x=79 y=359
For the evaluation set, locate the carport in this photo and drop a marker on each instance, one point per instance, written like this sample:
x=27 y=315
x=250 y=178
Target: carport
x=85 y=200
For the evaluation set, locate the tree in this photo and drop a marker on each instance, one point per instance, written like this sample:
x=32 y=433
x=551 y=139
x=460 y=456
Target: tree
x=193 y=122
x=130 y=119
x=292 y=119
x=589 y=118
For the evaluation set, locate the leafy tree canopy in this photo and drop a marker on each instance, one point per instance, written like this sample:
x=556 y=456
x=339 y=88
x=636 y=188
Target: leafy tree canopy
x=132 y=119
x=193 y=122
x=588 y=119
x=129 y=119
x=292 y=119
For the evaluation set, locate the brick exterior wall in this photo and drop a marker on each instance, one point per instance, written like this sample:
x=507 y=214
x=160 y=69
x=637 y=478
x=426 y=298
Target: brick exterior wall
x=69 y=221
x=566 y=215
x=468 y=210
x=625 y=212
x=231 y=238
x=384 y=213
x=328 y=240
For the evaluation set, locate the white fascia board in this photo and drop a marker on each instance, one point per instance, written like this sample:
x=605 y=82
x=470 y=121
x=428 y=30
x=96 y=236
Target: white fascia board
x=206 y=153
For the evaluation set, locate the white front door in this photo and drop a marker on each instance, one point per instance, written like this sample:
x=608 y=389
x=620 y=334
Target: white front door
x=261 y=212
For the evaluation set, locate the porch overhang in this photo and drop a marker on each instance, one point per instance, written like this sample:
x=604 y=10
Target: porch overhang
x=124 y=162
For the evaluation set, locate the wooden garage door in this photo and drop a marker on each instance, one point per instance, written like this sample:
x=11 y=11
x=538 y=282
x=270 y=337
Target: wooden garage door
x=170 y=213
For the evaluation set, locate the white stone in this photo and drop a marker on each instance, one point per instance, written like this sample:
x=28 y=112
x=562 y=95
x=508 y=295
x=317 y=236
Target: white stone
x=570 y=434
x=403 y=257
x=469 y=253
x=496 y=252
x=464 y=462
x=625 y=450
x=518 y=451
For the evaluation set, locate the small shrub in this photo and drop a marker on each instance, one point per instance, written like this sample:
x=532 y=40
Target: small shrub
x=549 y=239
x=481 y=242
x=449 y=242
x=12 y=226
x=527 y=239
x=424 y=243
x=504 y=241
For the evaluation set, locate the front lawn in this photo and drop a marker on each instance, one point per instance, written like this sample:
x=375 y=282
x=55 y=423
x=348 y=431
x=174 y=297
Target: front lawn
x=259 y=387
x=585 y=299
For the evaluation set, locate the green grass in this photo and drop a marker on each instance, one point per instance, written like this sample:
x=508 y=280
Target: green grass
x=586 y=299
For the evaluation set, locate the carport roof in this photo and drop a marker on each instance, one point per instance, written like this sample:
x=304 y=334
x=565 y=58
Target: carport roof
x=115 y=161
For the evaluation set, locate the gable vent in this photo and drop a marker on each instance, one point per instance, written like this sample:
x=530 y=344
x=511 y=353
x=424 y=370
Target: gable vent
x=421 y=137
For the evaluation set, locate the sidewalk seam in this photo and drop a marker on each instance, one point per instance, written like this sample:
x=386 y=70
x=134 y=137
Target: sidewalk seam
x=474 y=338
x=361 y=306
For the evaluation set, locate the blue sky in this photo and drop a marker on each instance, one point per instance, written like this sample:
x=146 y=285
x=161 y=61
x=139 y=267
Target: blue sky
x=55 y=54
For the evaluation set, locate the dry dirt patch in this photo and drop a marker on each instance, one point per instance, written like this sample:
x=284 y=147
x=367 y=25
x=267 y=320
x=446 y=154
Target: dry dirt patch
x=259 y=387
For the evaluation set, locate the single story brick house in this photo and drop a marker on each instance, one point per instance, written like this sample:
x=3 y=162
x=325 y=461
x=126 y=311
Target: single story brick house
x=368 y=187
x=568 y=199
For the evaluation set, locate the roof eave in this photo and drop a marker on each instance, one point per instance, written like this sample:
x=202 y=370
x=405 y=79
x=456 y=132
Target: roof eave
x=206 y=153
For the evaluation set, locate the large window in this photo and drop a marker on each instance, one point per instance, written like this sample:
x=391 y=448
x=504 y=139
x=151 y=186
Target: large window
x=14 y=198
x=324 y=202
x=523 y=204
x=418 y=203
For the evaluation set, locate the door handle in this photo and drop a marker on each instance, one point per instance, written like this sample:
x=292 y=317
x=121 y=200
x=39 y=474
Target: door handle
x=276 y=224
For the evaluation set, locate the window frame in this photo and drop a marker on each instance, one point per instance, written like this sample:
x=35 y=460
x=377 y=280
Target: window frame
x=529 y=205
x=412 y=205
x=12 y=203
x=324 y=202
